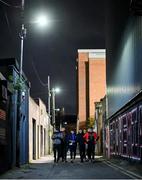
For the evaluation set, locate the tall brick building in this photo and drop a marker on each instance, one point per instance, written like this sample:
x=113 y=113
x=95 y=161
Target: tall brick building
x=91 y=84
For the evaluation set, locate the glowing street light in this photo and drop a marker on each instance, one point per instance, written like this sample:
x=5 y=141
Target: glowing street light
x=57 y=89
x=42 y=20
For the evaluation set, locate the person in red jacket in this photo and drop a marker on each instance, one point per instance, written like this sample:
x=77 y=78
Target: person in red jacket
x=90 y=140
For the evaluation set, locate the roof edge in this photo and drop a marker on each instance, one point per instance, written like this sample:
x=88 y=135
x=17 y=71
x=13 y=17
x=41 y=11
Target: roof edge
x=92 y=50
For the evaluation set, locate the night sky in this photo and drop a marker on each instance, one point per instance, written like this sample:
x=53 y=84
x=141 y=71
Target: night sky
x=75 y=24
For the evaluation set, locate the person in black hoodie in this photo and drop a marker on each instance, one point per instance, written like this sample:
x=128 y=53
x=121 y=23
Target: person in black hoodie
x=81 y=144
x=64 y=145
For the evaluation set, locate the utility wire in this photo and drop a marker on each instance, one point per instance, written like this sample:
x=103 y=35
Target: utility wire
x=9 y=5
x=8 y=26
x=39 y=93
x=37 y=74
x=7 y=22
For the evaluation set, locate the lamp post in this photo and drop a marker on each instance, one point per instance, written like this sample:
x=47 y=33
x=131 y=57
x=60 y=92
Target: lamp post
x=41 y=21
x=22 y=36
x=53 y=94
x=19 y=93
x=49 y=94
x=53 y=107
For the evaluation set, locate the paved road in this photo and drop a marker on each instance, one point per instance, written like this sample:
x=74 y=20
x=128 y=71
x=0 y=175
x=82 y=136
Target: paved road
x=46 y=169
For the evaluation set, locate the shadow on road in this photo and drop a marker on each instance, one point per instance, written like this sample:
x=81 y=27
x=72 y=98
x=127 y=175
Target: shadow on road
x=45 y=168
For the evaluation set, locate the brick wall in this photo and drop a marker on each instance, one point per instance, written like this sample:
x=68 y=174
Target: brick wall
x=91 y=84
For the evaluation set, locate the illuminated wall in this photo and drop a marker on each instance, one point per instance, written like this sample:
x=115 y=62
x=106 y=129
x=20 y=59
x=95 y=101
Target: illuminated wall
x=124 y=57
x=91 y=82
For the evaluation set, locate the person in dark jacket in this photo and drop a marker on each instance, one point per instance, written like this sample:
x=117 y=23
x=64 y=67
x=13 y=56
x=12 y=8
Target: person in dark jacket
x=81 y=144
x=64 y=145
x=96 y=138
x=57 y=140
x=72 y=145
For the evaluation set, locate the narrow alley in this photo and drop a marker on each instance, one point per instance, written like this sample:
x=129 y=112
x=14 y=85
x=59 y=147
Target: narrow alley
x=45 y=168
x=71 y=87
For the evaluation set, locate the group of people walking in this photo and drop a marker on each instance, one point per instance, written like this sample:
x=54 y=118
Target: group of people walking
x=85 y=141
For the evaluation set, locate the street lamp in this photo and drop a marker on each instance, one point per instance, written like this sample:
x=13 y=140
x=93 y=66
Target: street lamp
x=57 y=89
x=42 y=21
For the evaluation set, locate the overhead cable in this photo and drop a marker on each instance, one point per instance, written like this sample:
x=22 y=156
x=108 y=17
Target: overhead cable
x=9 y=5
x=37 y=74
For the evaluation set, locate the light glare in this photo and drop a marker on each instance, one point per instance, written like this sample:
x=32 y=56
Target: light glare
x=42 y=20
x=57 y=90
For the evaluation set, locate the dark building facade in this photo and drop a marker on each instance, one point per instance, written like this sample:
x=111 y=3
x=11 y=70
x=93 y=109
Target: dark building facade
x=5 y=138
x=124 y=34
x=13 y=130
x=124 y=82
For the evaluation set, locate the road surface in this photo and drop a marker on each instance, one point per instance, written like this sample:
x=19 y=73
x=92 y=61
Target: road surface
x=44 y=168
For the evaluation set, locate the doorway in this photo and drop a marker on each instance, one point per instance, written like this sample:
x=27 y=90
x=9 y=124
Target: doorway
x=34 y=139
